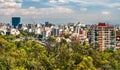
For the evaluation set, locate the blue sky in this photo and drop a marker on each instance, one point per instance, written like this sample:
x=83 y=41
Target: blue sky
x=61 y=11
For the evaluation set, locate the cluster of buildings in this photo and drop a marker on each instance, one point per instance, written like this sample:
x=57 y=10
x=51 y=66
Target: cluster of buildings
x=102 y=35
x=7 y=29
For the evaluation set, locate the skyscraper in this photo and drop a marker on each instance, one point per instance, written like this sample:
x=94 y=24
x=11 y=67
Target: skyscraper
x=15 y=21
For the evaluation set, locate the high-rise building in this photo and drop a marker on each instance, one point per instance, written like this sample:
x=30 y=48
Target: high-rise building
x=102 y=35
x=15 y=21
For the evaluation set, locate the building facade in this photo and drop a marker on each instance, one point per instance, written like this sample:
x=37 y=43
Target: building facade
x=102 y=35
x=15 y=21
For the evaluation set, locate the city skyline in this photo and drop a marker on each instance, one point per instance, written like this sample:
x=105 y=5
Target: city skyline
x=61 y=11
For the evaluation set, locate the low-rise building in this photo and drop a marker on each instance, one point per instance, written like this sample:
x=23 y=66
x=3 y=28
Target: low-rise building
x=14 y=31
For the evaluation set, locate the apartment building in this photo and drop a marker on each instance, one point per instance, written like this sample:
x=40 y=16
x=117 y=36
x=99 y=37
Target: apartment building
x=103 y=36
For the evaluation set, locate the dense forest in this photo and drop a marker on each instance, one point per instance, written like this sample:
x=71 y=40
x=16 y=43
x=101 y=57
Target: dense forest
x=30 y=55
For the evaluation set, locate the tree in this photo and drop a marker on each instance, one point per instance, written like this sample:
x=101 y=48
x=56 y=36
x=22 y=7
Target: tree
x=86 y=64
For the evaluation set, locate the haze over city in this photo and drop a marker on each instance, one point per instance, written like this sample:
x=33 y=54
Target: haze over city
x=61 y=11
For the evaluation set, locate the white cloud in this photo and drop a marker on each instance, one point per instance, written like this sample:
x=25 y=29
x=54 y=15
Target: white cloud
x=32 y=7
x=111 y=4
x=1 y=0
x=36 y=11
x=7 y=11
x=8 y=7
x=96 y=3
x=11 y=0
x=83 y=9
x=35 y=0
x=105 y=13
x=52 y=1
x=63 y=1
x=63 y=10
x=11 y=8
x=10 y=4
x=59 y=1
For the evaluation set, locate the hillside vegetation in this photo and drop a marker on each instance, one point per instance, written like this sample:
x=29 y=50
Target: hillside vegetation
x=30 y=55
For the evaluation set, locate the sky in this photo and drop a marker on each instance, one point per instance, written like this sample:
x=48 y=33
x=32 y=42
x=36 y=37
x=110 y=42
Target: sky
x=61 y=11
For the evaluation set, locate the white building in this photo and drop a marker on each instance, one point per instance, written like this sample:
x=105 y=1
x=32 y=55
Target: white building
x=37 y=31
x=3 y=29
x=14 y=31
